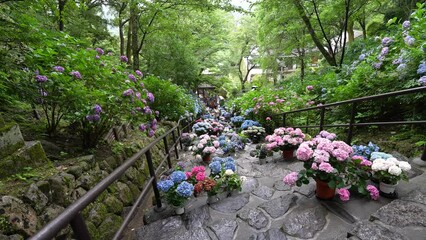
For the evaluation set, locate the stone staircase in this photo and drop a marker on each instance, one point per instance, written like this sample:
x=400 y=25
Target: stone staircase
x=15 y=153
x=267 y=209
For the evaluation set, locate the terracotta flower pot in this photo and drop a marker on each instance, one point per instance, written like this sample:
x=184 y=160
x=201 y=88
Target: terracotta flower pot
x=207 y=158
x=323 y=191
x=288 y=154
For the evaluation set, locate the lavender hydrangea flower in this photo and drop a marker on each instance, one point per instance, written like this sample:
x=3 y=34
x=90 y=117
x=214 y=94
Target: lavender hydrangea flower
x=422 y=81
x=361 y=57
x=96 y=117
x=421 y=70
x=58 y=68
x=406 y=24
x=384 y=51
x=377 y=65
x=97 y=109
x=40 y=78
x=185 y=189
x=387 y=41
x=151 y=133
x=97 y=57
x=100 y=51
x=147 y=110
x=409 y=40
x=132 y=77
x=178 y=176
x=142 y=127
x=76 y=74
x=124 y=59
x=128 y=92
x=139 y=73
x=150 y=97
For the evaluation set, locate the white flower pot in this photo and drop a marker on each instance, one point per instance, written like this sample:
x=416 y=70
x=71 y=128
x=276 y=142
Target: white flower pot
x=387 y=188
x=179 y=210
x=262 y=161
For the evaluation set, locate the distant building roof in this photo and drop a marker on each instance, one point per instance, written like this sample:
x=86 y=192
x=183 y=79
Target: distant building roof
x=206 y=86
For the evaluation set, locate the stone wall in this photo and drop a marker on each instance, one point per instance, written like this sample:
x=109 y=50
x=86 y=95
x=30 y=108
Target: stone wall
x=22 y=216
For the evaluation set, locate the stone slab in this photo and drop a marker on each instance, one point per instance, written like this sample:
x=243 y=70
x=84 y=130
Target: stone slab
x=366 y=230
x=271 y=234
x=231 y=204
x=254 y=217
x=401 y=213
x=279 y=206
x=264 y=192
x=224 y=229
x=305 y=222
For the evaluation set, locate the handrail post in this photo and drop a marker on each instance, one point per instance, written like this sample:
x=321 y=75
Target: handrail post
x=79 y=228
x=116 y=134
x=124 y=127
x=284 y=115
x=154 y=181
x=179 y=136
x=174 y=143
x=351 y=123
x=166 y=146
x=423 y=157
x=322 y=118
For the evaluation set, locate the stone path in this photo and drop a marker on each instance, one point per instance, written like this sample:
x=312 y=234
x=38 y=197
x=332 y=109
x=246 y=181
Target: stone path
x=266 y=209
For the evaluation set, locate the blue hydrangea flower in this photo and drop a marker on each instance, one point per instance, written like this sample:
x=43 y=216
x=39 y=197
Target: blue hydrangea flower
x=361 y=57
x=165 y=185
x=215 y=167
x=185 y=189
x=237 y=119
x=249 y=123
x=178 y=176
x=377 y=155
x=421 y=70
x=229 y=165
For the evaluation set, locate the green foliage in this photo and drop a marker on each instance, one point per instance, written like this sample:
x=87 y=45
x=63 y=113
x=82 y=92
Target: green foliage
x=27 y=175
x=171 y=100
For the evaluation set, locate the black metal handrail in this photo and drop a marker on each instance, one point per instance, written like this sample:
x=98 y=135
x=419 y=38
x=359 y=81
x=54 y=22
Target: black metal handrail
x=71 y=215
x=353 y=113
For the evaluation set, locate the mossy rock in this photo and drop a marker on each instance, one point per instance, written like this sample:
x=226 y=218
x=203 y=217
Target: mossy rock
x=113 y=205
x=32 y=155
x=10 y=139
x=109 y=226
x=97 y=213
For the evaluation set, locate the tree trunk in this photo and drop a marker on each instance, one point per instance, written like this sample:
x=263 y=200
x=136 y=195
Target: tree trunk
x=302 y=69
x=61 y=7
x=351 y=33
x=135 y=41
x=345 y=29
x=121 y=32
x=129 y=42
x=328 y=57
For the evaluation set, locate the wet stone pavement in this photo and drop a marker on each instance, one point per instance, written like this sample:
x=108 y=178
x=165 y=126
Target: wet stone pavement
x=266 y=209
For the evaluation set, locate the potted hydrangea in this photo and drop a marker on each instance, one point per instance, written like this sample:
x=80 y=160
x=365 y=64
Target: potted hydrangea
x=255 y=133
x=286 y=140
x=176 y=190
x=325 y=161
x=222 y=170
x=205 y=147
x=389 y=172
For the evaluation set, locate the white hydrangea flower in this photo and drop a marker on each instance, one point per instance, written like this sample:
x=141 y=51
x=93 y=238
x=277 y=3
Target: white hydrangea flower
x=229 y=172
x=243 y=178
x=198 y=157
x=394 y=160
x=405 y=166
x=379 y=164
x=394 y=170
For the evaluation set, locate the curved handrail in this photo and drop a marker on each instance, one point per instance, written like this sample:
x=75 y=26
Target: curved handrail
x=72 y=212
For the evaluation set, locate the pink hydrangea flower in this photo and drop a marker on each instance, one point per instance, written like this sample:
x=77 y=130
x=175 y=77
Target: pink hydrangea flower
x=200 y=176
x=290 y=179
x=309 y=88
x=198 y=169
x=304 y=152
x=326 y=167
x=188 y=175
x=344 y=194
x=216 y=144
x=374 y=193
x=271 y=103
x=314 y=166
x=268 y=119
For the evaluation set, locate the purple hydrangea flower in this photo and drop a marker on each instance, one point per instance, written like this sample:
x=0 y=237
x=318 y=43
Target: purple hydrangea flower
x=397 y=61
x=128 y=92
x=422 y=81
x=96 y=117
x=309 y=88
x=142 y=85
x=142 y=127
x=124 y=59
x=387 y=41
x=151 y=133
x=384 y=51
x=109 y=53
x=58 y=68
x=406 y=24
x=138 y=95
x=40 y=78
x=132 y=77
x=100 y=51
x=97 y=109
x=421 y=70
x=157 y=113
x=139 y=73
x=409 y=40
x=76 y=74
x=377 y=65
x=97 y=57
x=150 y=97
x=147 y=110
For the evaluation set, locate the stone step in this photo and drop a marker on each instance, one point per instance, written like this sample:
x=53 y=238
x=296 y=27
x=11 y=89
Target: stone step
x=10 y=139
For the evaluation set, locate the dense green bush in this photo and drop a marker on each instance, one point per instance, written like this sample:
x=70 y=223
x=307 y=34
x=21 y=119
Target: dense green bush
x=171 y=100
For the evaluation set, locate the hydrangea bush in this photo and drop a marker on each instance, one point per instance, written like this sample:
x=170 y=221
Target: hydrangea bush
x=176 y=189
x=206 y=145
x=390 y=171
x=284 y=139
